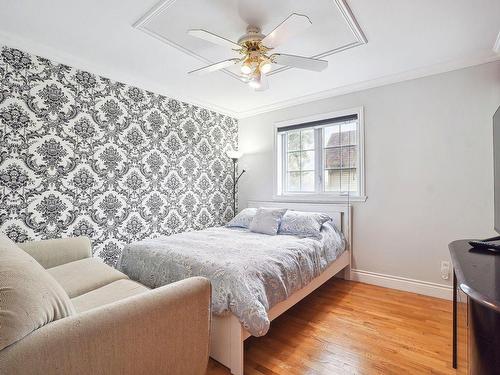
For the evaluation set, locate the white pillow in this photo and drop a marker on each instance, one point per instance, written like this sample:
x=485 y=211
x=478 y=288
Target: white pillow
x=303 y=224
x=243 y=219
x=267 y=220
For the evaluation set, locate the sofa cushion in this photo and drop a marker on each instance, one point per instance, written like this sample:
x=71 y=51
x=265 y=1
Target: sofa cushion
x=84 y=275
x=113 y=292
x=52 y=253
x=29 y=295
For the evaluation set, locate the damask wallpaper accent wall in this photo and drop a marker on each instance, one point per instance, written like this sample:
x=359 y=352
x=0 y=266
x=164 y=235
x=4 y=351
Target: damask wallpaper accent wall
x=84 y=155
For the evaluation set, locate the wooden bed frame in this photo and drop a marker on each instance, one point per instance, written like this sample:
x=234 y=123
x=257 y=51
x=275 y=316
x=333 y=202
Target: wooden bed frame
x=228 y=336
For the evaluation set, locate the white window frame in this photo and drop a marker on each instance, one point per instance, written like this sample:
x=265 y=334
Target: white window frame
x=326 y=197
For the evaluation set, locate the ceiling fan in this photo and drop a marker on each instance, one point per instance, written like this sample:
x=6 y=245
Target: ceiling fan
x=255 y=60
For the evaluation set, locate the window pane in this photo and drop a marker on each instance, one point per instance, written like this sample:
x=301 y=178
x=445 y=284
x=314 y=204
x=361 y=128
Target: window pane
x=293 y=161
x=341 y=180
x=332 y=180
x=293 y=181
x=307 y=181
x=349 y=180
x=293 y=141
x=348 y=133
x=307 y=160
x=307 y=139
x=331 y=136
x=332 y=158
x=349 y=156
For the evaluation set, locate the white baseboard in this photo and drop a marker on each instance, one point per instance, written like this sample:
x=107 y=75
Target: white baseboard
x=402 y=283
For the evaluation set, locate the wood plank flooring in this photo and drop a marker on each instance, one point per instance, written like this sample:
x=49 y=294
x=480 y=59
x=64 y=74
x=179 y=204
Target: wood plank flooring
x=346 y=328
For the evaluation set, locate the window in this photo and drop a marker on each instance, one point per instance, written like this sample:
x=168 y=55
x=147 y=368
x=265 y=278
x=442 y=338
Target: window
x=321 y=157
x=300 y=160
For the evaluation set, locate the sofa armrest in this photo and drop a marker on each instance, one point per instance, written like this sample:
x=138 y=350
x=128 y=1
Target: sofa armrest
x=52 y=253
x=163 y=331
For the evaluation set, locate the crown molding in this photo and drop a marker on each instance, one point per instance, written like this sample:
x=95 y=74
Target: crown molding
x=50 y=53
x=365 y=85
x=70 y=60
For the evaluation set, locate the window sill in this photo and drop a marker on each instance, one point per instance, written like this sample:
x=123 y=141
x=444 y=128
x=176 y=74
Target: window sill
x=319 y=198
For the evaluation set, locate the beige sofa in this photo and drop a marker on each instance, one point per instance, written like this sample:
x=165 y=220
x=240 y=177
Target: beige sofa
x=108 y=325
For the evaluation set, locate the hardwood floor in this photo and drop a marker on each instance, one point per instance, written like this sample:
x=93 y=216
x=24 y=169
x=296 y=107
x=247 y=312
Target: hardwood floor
x=346 y=327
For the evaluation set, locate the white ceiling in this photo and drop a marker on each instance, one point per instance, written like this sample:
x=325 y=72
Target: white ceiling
x=329 y=33
x=406 y=39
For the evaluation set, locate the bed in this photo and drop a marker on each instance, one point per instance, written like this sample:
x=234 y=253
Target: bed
x=255 y=277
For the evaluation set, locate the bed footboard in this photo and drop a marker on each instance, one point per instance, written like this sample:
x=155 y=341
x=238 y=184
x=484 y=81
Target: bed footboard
x=226 y=342
x=228 y=336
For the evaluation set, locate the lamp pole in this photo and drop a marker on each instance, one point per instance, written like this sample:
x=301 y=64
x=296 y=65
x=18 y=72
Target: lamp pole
x=235 y=183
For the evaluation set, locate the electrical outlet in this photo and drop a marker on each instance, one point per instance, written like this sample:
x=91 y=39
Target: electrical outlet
x=445 y=269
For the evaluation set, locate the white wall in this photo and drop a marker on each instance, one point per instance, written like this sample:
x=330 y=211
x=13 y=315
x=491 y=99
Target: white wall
x=429 y=171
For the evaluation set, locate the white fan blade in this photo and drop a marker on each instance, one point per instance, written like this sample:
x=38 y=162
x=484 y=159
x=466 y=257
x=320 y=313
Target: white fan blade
x=213 y=38
x=299 y=62
x=264 y=83
x=294 y=24
x=215 y=67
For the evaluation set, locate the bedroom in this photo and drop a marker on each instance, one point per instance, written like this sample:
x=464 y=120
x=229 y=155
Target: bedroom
x=294 y=209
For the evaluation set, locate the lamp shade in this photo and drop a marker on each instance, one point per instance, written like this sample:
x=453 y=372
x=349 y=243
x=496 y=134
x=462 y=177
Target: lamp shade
x=234 y=154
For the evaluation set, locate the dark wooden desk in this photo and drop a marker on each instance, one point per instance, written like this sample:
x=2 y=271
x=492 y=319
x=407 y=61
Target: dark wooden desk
x=476 y=318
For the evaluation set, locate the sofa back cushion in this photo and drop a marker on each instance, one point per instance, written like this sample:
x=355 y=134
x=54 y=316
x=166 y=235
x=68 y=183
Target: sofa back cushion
x=29 y=296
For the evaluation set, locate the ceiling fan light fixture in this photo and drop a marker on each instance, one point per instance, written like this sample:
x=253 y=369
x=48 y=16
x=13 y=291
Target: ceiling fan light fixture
x=255 y=62
x=246 y=68
x=255 y=82
x=265 y=66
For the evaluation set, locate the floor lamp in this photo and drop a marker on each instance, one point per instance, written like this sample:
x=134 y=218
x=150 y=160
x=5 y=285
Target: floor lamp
x=235 y=155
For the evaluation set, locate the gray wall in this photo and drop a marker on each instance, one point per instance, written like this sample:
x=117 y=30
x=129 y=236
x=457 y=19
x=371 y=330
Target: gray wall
x=429 y=172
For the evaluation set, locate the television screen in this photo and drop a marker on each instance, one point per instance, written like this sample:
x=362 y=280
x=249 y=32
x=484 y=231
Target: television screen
x=496 y=161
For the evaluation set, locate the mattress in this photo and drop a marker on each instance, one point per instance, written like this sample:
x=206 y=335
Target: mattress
x=249 y=272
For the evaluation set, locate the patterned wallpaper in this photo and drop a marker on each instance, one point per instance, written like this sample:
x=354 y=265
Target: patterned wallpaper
x=84 y=155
